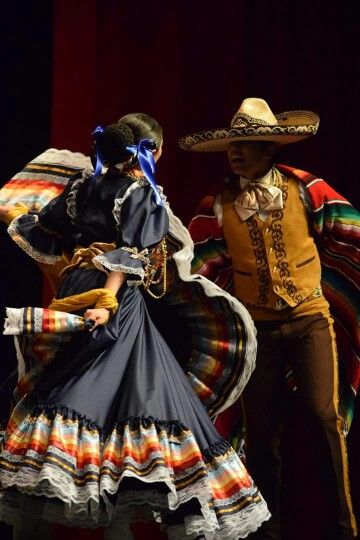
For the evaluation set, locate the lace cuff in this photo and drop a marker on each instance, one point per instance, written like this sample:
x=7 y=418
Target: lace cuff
x=31 y=237
x=125 y=259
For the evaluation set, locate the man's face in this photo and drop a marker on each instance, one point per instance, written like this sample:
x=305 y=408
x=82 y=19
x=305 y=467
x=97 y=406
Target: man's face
x=250 y=159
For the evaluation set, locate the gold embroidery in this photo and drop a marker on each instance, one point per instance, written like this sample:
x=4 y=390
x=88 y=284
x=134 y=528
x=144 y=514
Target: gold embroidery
x=279 y=248
x=262 y=268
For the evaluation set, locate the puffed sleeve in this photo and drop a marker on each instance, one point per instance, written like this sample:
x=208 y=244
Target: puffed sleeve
x=141 y=225
x=43 y=235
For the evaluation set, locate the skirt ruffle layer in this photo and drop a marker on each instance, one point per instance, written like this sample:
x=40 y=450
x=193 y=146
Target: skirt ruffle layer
x=143 y=468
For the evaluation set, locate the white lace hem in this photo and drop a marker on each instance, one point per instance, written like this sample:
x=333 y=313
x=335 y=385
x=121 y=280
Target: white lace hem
x=63 y=157
x=69 y=504
x=236 y=526
x=13 y=323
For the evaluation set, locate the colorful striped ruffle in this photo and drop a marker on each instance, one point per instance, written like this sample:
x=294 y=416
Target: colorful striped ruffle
x=42 y=179
x=34 y=352
x=78 y=467
x=30 y=320
x=39 y=333
x=223 y=348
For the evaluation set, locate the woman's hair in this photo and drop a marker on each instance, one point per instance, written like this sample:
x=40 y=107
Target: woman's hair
x=143 y=126
x=129 y=130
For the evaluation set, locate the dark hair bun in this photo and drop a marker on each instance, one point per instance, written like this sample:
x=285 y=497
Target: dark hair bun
x=113 y=142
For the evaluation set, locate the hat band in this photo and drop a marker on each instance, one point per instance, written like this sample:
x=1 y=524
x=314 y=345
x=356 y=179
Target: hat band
x=241 y=120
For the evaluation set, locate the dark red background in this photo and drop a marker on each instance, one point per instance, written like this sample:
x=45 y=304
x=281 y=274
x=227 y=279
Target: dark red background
x=190 y=65
x=68 y=66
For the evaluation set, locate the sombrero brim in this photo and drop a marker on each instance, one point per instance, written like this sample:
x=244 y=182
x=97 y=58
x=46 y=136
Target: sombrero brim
x=292 y=127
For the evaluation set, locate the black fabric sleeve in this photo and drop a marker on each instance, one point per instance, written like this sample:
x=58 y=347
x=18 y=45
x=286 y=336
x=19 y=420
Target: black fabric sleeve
x=141 y=224
x=42 y=234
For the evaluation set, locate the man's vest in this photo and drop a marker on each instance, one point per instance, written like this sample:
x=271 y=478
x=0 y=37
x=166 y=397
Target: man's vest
x=276 y=262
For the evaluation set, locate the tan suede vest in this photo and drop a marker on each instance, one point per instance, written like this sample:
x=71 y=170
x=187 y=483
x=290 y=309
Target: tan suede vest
x=276 y=261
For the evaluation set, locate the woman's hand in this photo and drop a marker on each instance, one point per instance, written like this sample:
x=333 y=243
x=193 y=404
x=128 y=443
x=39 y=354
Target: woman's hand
x=99 y=315
x=4 y=210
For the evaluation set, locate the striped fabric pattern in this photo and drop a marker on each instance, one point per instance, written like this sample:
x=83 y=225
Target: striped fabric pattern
x=36 y=184
x=40 y=332
x=336 y=229
x=65 y=455
x=210 y=252
x=218 y=337
x=35 y=351
x=35 y=320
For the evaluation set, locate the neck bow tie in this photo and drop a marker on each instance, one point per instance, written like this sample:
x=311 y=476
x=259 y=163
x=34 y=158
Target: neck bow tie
x=258 y=197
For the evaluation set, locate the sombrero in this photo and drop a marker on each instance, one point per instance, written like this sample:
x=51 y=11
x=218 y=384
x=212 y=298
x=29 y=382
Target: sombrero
x=254 y=121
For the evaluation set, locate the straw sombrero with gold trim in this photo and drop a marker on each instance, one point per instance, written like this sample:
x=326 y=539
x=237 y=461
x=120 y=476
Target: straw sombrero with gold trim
x=254 y=121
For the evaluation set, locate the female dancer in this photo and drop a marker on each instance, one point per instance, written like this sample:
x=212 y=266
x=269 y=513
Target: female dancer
x=114 y=430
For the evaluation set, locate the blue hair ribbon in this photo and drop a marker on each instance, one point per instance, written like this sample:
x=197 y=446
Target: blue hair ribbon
x=98 y=131
x=143 y=152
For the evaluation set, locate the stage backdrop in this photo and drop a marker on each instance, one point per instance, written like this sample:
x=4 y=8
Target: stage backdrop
x=189 y=65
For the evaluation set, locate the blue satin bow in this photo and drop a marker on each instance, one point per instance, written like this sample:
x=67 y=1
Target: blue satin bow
x=143 y=152
x=99 y=162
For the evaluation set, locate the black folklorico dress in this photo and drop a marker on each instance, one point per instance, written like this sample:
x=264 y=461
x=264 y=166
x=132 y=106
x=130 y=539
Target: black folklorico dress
x=116 y=428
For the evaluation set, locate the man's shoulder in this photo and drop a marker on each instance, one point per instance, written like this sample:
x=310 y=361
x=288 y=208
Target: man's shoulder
x=317 y=191
x=300 y=175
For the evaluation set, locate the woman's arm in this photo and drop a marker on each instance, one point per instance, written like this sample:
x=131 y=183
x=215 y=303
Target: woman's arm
x=8 y=213
x=113 y=283
x=4 y=210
